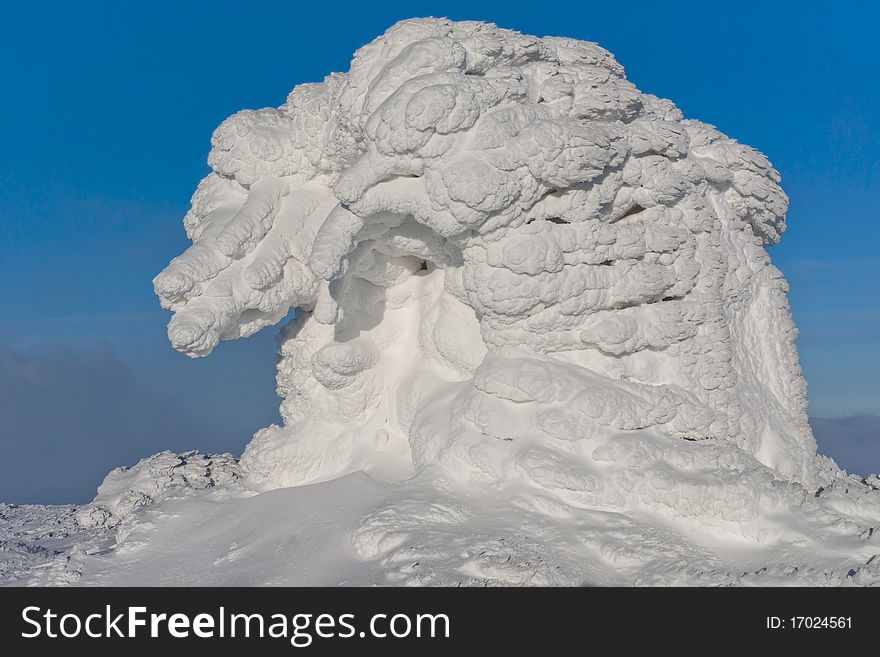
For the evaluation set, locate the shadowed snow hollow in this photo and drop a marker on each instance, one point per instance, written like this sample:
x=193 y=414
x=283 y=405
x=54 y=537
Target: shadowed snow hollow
x=534 y=305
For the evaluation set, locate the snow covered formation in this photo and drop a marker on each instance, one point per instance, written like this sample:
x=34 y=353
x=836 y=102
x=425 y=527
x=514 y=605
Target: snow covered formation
x=534 y=311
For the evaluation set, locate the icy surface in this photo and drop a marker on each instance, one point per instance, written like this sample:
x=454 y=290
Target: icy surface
x=538 y=340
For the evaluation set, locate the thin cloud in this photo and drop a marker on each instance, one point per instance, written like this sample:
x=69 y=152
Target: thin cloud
x=852 y=441
x=70 y=414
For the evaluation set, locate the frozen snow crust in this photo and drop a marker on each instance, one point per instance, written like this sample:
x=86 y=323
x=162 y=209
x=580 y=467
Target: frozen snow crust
x=535 y=304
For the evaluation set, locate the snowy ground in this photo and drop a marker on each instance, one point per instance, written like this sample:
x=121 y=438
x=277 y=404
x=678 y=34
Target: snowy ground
x=340 y=533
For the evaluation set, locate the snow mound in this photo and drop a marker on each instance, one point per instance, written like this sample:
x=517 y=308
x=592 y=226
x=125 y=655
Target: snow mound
x=531 y=300
x=127 y=488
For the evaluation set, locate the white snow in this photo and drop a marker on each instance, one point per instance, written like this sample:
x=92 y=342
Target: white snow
x=538 y=340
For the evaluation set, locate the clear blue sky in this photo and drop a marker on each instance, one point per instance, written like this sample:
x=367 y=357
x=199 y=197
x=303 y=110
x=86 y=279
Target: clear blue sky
x=107 y=110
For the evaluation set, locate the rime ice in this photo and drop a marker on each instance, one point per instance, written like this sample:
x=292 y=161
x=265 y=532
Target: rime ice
x=533 y=300
x=475 y=210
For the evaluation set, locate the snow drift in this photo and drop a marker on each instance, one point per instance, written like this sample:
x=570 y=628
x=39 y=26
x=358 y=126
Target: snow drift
x=533 y=305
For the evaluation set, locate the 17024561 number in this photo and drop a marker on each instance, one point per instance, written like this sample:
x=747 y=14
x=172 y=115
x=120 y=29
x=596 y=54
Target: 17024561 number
x=809 y=623
x=821 y=622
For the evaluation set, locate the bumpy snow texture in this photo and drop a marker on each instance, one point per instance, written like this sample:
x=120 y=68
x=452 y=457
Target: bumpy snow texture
x=534 y=299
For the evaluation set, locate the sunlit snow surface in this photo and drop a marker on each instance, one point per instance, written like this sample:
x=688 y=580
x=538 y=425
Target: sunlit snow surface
x=538 y=340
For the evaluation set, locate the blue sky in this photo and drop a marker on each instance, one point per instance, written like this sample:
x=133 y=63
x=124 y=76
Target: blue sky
x=108 y=110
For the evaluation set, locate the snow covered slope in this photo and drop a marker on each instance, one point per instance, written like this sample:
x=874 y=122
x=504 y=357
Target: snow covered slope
x=538 y=340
